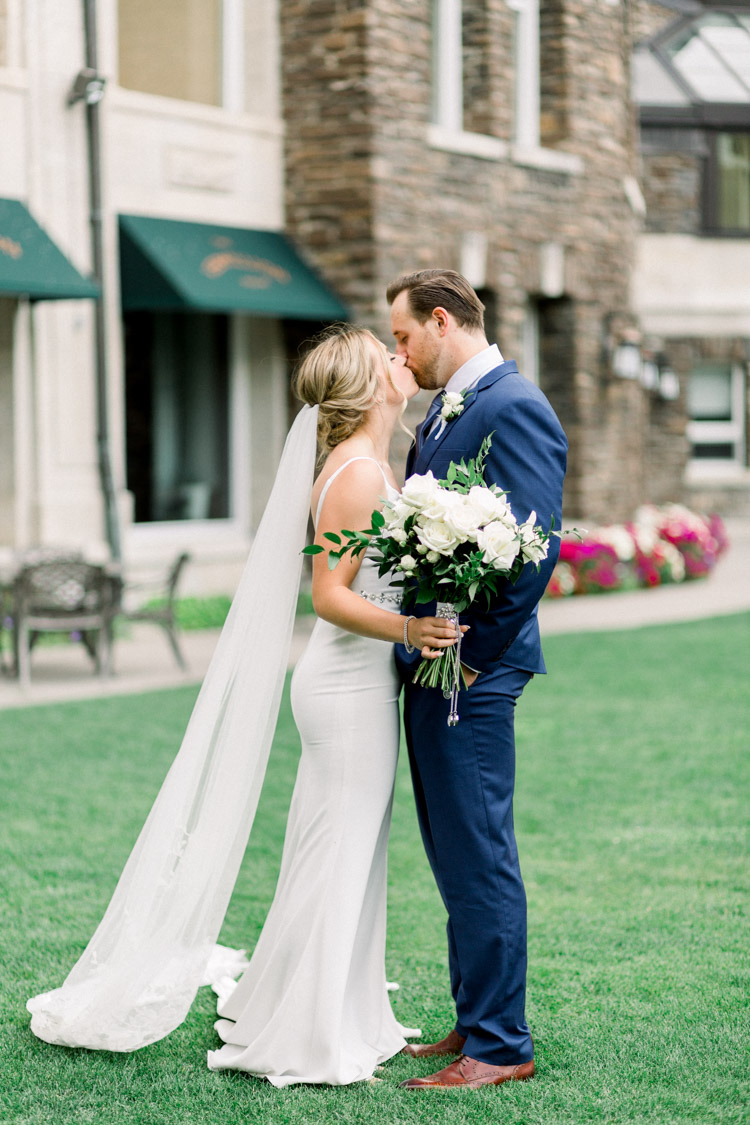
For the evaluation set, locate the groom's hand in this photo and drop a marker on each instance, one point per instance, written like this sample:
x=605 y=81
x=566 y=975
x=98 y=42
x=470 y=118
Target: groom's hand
x=469 y=675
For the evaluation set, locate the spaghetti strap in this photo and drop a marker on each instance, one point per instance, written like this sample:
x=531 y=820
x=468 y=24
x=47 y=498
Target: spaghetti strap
x=333 y=476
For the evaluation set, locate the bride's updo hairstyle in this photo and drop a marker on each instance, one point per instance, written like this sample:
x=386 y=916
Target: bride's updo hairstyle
x=340 y=375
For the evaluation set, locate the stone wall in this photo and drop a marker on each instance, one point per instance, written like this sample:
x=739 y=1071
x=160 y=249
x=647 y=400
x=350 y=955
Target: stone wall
x=672 y=163
x=369 y=195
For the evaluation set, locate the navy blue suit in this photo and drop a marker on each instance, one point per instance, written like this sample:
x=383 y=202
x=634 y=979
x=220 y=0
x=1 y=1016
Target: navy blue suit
x=463 y=776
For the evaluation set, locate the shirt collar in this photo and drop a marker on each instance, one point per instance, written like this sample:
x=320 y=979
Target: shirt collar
x=473 y=370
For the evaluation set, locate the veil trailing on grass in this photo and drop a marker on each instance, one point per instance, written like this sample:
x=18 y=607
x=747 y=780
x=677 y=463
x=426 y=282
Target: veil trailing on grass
x=138 y=976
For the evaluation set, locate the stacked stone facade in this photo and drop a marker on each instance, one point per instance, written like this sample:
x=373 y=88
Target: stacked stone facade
x=373 y=191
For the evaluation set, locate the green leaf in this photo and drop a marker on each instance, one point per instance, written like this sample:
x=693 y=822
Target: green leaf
x=333 y=538
x=333 y=559
x=378 y=520
x=313 y=549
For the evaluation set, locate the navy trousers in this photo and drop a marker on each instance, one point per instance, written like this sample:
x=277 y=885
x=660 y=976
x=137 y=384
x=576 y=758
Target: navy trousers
x=463 y=784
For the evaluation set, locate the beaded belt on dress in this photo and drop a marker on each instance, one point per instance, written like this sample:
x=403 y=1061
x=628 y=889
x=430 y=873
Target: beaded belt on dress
x=383 y=597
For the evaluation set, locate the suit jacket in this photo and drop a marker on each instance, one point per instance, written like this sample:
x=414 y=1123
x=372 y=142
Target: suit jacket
x=527 y=460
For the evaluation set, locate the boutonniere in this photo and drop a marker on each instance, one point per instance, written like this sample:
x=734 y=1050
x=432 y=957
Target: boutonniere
x=452 y=408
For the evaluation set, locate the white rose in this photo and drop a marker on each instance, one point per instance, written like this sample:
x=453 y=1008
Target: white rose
x=437 y=536
x=408 y=562
x=465 y=520
x=453 y=403
x=396 y=513
x=398 y=534
x=433 y=556
x=440 y=505
x=491 y=505
x=499 y=544
x=419 y=490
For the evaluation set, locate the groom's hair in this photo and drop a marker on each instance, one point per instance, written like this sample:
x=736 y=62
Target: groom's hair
x=445 y=289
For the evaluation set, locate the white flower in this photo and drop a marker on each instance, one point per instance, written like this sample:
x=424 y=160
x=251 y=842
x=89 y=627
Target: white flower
x=440 y=505
x=432 y=556
x=419 y=490
x=437 y=536
x=422 y=550
x=464 y=520
x=499 y=544
x=453 y=405
x=408 y=562
x=619 y=539
x=491 y=505
x=396 y=513
x=398 y=534
x=533 y=549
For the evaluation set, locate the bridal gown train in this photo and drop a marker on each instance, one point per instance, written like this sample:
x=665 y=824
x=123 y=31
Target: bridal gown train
x=312 y=1006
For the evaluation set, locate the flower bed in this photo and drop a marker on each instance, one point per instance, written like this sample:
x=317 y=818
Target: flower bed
x=661 y=545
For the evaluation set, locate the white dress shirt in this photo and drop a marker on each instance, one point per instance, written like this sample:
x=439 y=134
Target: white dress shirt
x=467 y=375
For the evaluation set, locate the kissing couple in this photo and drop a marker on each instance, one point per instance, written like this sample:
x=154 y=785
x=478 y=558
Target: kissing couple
x=311 y=1004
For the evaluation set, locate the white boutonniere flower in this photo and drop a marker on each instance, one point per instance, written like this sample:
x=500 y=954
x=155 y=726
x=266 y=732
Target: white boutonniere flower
x=452 y=408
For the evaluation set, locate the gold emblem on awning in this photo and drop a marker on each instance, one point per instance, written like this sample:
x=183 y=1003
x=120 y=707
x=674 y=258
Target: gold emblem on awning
x=259 y=273
x=10 y=247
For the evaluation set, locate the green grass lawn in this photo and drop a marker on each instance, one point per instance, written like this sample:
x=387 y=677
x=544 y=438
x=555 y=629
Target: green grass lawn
x=631 y=813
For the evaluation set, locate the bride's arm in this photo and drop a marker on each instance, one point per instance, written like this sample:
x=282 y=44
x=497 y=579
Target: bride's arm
x=349 y=503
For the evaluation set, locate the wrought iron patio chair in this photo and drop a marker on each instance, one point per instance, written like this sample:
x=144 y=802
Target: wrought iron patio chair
x=64 y=595
x=164 y=612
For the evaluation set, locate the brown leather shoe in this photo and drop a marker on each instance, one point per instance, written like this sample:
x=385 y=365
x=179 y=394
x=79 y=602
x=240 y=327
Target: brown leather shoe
x=471 y=1074
x=453 y=1044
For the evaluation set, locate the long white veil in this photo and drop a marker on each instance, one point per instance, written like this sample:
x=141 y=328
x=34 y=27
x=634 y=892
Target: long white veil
x=136 y=979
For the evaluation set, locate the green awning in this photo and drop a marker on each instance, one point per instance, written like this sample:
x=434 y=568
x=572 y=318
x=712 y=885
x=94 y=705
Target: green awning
x=166 y=264
x=31 y=265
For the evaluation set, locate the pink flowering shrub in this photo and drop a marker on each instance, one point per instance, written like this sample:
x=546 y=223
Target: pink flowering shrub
x=661 y=545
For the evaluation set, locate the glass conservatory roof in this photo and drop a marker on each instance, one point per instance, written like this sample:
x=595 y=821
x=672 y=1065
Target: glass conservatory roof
x=696 y=61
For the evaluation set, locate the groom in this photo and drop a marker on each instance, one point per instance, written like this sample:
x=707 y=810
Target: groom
x=463 y=776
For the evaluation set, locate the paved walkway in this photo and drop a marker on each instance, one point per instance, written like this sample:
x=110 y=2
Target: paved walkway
x=144 y=662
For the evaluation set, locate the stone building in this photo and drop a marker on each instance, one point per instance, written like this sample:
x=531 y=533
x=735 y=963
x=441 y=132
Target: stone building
x=691 y=285
x=496 y=137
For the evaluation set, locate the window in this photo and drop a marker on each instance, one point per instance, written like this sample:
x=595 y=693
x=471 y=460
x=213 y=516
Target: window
x=527 y=82
x=716 y=409
x=177 y=415
x=447 y=108
x=712 y=55
x=172 y=48
x=727 y=200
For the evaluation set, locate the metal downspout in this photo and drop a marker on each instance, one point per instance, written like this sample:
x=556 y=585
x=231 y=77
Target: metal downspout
x=93 y=129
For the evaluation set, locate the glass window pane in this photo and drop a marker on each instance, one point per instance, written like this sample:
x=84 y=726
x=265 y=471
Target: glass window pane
x=733 y=177
x=710 y=393
x=733 y=44
x=171 y=48
x=705 y=72
x=177 y=404
x=713 y=451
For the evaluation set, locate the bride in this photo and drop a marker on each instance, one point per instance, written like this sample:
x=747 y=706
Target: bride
x=311 y=1005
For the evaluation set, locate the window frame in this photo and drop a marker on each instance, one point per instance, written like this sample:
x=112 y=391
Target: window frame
x=711 y=189
x=730 y=432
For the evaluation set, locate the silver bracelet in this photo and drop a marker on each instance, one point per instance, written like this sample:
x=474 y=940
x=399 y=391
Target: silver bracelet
x=407 y=646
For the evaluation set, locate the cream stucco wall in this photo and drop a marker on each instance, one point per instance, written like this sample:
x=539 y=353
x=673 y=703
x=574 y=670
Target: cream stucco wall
x=164 y=157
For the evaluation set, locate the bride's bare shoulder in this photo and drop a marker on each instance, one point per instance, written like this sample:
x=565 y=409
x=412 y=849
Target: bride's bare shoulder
x=357 y=474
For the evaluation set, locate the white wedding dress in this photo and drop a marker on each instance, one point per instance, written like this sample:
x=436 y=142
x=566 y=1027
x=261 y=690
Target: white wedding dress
x=312 y=1006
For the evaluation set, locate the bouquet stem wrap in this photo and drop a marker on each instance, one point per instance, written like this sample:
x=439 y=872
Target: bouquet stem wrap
x=445 y=671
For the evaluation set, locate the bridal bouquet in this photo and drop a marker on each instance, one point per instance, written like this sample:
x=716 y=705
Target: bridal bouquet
x=452 y=541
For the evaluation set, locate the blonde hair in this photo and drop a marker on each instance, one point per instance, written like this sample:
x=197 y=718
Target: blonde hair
x=340 y=375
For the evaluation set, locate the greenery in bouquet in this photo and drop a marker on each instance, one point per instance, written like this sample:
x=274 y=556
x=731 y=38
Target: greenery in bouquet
x=453 y=541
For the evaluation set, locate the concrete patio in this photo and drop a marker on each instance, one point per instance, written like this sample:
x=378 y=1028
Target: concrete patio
x=143 y=661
